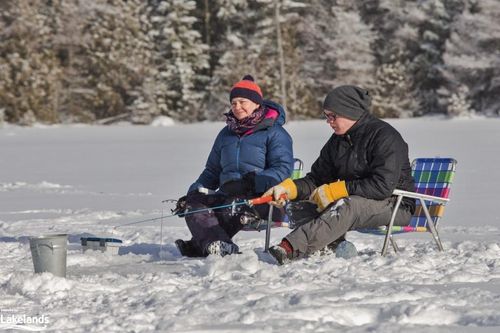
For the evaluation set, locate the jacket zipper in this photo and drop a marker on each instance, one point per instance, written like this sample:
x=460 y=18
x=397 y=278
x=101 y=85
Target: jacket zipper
x=349 y=155
x=238 y=154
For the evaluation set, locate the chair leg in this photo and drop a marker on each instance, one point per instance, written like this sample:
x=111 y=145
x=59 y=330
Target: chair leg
x=431 y=225
x=268 y=229
x=394 y=245
x=391 y=223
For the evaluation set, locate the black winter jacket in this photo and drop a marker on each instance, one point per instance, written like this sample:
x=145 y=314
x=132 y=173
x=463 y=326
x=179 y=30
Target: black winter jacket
x=371 y=157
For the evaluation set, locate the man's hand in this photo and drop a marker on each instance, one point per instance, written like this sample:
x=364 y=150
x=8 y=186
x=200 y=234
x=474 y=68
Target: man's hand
x=328 y=193
x=286 y=188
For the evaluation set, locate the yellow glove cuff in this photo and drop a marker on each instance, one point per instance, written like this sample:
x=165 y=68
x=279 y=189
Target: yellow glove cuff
x=338 y=190
x=290 y=187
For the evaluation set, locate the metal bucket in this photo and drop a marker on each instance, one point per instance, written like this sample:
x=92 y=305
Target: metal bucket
x=49 y=253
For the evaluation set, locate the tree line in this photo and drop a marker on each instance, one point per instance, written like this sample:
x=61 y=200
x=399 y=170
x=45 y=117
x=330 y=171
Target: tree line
x=64 y=61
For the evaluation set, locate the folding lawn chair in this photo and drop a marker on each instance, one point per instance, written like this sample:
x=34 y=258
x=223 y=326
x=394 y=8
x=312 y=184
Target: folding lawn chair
x=433 y=178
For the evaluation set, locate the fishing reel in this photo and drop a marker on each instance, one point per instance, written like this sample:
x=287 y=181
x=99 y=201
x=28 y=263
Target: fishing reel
x=251 y=218
x=180 y=206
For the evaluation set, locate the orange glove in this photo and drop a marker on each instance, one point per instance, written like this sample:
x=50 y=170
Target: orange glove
x=286 y=187
x=328 y=193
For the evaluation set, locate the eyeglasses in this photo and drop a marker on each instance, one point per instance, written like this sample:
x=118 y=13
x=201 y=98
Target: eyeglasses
x=330 y=116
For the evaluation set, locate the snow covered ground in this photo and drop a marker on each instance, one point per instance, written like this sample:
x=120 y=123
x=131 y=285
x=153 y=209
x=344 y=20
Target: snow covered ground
x=85 y=180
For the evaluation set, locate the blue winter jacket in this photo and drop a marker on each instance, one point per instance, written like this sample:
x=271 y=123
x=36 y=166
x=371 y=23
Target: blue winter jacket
x=267 y=152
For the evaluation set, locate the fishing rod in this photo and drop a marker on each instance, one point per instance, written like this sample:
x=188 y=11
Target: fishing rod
x=233 y=205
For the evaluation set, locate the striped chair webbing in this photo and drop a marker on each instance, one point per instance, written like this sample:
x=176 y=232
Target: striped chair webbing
x=395 y=230
x=433 y=176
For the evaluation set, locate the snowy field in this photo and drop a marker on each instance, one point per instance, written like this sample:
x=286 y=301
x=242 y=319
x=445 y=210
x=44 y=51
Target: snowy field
x=84 y=181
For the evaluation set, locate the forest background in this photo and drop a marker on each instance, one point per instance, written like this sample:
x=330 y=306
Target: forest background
x=100 y=61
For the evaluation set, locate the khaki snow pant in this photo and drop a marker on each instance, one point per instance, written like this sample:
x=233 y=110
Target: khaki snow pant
x=350 y=213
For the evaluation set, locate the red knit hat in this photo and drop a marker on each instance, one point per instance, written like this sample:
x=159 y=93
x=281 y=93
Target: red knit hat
x=247 y=88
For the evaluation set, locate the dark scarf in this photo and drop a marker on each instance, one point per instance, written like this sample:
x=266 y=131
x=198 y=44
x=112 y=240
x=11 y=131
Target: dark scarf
x=247 y=124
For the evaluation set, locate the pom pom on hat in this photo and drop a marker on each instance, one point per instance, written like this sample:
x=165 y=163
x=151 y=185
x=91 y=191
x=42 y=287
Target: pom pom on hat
x=248 y=89
x=248 y=77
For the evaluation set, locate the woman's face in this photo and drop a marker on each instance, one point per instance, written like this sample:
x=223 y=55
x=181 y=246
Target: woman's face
x=243 y=107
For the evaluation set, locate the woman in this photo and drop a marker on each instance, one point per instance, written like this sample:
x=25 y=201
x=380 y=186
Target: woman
x=251 y=154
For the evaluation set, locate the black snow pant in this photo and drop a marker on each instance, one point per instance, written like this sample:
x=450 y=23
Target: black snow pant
x=220 y=224
x=350 y=213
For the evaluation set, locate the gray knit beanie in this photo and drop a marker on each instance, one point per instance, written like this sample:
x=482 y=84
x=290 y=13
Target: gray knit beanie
x=348 y=101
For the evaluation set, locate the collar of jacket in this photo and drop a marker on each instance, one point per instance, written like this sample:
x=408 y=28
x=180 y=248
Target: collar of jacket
x=268 y=121
x=356 y=128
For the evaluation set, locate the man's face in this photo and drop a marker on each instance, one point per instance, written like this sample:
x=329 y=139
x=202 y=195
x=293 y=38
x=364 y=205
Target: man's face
x=339 y=124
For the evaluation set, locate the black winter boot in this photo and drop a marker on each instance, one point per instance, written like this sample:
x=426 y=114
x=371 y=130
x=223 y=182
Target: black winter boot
x=187 y=248
x=279 y=254
x=283 y=253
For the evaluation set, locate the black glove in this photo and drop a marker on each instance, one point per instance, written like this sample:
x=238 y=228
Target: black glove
x=301 y=212
x=240 y=187
x=180 y=206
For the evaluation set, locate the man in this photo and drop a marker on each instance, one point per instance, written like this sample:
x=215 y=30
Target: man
x=352 y=180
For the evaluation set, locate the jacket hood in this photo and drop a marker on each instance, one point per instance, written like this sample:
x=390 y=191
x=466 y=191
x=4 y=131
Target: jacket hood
x=281 y=119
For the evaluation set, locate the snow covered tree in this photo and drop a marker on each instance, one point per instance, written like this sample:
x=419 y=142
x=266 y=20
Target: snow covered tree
x=29 y=67
x=350 y=42
x=392 y=96
x=472 y=59
x=70 y=60
x=253 y=47
x=433 y=20
x=279 y=57
x=104 y=60
x=394 y=48
x=117 y=57
x=410 y=52
x=232 y=50
x=335 y=42
x=459 y=103
x=181 y=59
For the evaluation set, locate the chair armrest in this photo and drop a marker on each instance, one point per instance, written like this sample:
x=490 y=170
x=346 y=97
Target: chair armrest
x=420 y=196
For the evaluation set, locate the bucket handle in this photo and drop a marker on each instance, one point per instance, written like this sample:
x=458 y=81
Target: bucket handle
x=52 y=247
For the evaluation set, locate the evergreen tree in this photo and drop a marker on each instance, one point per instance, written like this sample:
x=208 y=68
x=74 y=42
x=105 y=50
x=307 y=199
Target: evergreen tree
x=252 y=46
x=70 y=60
x=280 y=58
x=232 y=50
x=181 y=60
x=117 y=58
x=472 y=60
x=29 y=67
x=433 y=31
x=104 y=60
x=394 y=48
x=338 y=46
